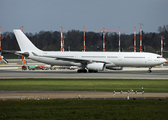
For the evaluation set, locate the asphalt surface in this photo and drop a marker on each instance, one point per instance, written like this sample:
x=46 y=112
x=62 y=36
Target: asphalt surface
x=126 y=73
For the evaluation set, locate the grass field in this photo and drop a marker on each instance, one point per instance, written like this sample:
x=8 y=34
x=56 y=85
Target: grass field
x=85 y=109
x=84 y=84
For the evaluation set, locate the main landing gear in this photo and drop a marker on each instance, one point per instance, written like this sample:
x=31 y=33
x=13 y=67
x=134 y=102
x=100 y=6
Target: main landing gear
x=149 y=71
x=82 y=71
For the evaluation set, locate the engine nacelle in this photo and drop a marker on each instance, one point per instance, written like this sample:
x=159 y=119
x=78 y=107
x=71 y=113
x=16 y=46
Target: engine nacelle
x=115 y=68
x=96 y=66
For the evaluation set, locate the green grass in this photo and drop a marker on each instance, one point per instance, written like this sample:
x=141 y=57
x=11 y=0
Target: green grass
x=85 y=109
x=84 y=84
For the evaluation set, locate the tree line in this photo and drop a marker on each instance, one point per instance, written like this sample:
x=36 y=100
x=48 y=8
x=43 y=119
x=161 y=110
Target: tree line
x=50 y=40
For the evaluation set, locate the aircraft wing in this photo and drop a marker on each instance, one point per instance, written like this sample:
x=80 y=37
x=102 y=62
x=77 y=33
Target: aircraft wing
x=77 y=59
x=21 y=53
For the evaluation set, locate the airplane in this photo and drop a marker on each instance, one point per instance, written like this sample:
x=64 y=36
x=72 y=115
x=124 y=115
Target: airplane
x=87 y=61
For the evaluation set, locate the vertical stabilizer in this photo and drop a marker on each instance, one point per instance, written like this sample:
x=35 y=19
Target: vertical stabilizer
x=24 y=43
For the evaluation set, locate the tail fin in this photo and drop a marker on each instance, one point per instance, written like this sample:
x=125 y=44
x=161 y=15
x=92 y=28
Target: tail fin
x=24 y=43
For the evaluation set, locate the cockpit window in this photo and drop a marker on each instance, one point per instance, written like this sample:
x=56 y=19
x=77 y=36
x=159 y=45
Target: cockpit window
x=159 y=57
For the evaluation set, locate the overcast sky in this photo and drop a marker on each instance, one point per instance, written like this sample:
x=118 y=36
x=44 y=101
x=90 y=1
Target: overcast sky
x=50 y=15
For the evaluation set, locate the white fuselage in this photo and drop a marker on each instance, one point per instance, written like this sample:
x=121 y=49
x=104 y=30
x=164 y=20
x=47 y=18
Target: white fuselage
x=113 y=59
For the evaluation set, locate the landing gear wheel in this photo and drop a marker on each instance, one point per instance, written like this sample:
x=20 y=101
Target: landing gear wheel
x=149 y=71
x=82 y=71
x=79 y=71
x=90 y=71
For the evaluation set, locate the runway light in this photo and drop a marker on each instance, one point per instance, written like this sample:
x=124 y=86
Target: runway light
x=48 y=97
x=128 y=95
x=79 y=97
x=27 y=98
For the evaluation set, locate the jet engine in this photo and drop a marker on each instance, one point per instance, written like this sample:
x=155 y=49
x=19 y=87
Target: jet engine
x=96 y=66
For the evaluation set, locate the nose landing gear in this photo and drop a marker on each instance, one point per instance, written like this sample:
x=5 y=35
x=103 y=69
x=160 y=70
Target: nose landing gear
x=149 y=71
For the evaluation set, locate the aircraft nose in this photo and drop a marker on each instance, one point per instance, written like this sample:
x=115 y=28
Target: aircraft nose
x=164 y=60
